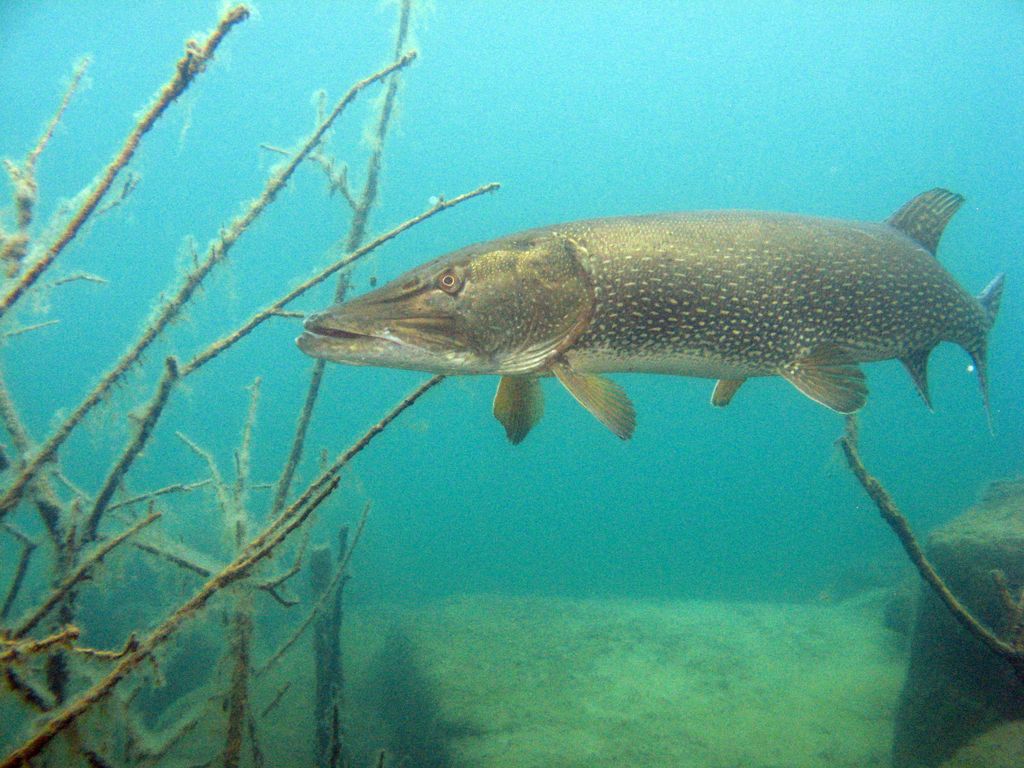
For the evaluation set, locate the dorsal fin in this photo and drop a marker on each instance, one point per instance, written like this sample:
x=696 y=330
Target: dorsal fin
x=925 y=217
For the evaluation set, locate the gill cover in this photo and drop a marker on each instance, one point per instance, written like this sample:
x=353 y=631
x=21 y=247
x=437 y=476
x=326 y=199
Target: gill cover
x=526 y=301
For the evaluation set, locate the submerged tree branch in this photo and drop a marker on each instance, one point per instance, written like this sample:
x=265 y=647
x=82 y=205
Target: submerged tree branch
x=1011 y=652
x=79 y=573
x=337 y=579
x=143 y=431
x=193 y=62
x=215 y=254
x=256 y=551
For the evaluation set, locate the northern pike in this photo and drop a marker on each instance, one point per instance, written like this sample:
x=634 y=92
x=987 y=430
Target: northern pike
x=727 y=295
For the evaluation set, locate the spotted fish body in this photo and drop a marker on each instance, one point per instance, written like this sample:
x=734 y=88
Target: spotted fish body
x=728 y=295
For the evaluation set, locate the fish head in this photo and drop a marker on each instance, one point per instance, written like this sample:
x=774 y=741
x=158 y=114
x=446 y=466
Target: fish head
x=503 y=307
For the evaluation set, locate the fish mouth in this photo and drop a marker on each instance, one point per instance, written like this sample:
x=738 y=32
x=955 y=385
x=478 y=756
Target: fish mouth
x=316 y=326
x=340 y=333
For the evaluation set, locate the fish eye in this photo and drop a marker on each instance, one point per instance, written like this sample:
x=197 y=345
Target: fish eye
x=449 y=282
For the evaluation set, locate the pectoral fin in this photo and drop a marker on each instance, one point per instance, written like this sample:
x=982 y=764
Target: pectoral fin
x=605 y=399
x=829 y=377
x=518 y=405
x=724 y=390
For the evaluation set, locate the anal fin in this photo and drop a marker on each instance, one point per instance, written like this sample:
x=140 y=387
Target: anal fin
x=830 y=377
x=605 y=399
x=916 y=363
x=724 y=391
x=518 y=405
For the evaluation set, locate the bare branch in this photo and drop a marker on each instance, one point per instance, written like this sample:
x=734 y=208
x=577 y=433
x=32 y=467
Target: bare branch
x=277 y=699
x=174 y=488
x=242 y=455
x=224 y=499
x=80 y=277
x=143 y=431
x=30 y=328
x=337 y=579
x=173 y=557
x=28 y=546
x=26 y=691
x=1012 y=652
x=196 y=57
x=76 y=78
x=15 y=651
x=79 y=573
x=239 y=568
x=131 y=180
x=258 y=549
x=216 y=253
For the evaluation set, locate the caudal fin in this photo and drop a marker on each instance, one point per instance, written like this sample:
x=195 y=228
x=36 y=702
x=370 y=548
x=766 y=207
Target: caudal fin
x=991 y=296
x=989 y=300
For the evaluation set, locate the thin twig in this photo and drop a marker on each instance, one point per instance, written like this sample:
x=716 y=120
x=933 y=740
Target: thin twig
x=176 y=559
x=192 y=63
x=277 y=699
x=79 y=573
x=14 y=247
x=284 y=481
x=278 y=150
x=103 y=655
x=84 y=277
x=14 y=533
x=242 y=458
x=143 y=431
x=131 y=181
x=15 y=651
x=76 y=78
x=28 y=546
x=173 y=488
x=368 y=198
x=29 y=328
x=337 y=578
x=272 y=586
x=148 y=756
x=70 y=484
x=285 y=602
x=12 y=420
x=224 y=500
x=26 y=691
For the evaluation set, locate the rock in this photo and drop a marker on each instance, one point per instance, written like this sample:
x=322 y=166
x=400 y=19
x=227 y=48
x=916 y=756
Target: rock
x=956 y=689
x=1002 y=747
x=901 y=607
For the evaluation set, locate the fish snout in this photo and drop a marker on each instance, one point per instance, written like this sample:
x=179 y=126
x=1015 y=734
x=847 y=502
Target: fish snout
x=314 y=321
x=335 y=322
